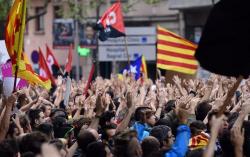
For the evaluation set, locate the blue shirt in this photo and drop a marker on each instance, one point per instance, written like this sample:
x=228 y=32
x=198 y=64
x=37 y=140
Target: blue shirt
x=180 y=145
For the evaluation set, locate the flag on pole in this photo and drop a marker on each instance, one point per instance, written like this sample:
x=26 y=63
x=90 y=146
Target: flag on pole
x=51 y=61
x=14 y=35
x=111 y=24
x=69 y=60
x=134 y=68
x=175 y=53
x=144 y=66
x=44 y=69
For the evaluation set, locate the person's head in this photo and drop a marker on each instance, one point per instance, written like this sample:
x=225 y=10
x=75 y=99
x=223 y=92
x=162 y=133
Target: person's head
x=58 y=113
x=32 y=142
x=46 y=110
x=126 y=144
x=109 y=131
x=107 y=118
x=89 y=31
x=36 y=117
x=85 y=137
x=61 y=128
x=150 y=118
x=202 y=110
x=25 y=123
x=164 y=135
x=98 y=149
x=60 y=147
x=22 y=100
x=13 y=131
x=8 y=148
x=149 y=145
x=224 y=125
x=47 y=129
x=140 y=114
x=197 y=127
x=195 y=153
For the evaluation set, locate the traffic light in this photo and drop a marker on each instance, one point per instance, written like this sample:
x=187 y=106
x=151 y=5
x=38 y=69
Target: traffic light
x=84 y=52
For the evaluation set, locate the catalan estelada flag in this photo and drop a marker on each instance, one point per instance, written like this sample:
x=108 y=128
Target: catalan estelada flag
x=175 y=53
x=14 y=35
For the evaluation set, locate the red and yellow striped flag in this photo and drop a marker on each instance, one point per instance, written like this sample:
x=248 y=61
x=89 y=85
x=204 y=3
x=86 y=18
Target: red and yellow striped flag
x=14 y=36
x=175 y=53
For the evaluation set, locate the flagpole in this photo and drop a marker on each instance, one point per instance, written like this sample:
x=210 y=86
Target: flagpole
x=19 y=40
x=126 y=48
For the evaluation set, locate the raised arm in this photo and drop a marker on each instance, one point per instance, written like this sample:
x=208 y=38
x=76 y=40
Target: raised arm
x=216 y=123
x=4 y=125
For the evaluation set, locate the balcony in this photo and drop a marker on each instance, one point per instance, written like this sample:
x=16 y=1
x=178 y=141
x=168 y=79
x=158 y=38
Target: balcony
x=188 y=4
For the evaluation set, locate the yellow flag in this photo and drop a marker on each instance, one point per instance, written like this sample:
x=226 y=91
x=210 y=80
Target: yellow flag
x=14 y=36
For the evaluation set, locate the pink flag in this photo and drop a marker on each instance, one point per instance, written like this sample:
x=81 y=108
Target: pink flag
x=7 y=75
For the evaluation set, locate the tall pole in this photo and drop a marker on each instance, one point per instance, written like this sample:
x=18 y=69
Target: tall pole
x=96 y=56
x=76 y=42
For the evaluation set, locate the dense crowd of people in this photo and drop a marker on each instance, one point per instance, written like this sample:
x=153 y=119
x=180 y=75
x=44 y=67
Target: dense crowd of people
x=127 y=118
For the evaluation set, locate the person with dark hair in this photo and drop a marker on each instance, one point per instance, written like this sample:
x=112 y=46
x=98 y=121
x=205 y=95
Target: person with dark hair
x=164 y=135
x=108 y=132
x=222 y=132
x=84 y=138
x=46 y=108
x=202 y=109
x=36 y=117
x=32 y=142
x=8 y=148
x=25 y=123
x=195 y=153
x=145 y=119
x=126 y=144
x=47 y=129
x=149 y=145
x=98 y=149
x=107 y=118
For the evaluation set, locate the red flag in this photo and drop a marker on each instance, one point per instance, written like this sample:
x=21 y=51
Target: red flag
x=111 y=24
x=44 y=69
x=69 y=60
x=51 y=60
x=91 y=73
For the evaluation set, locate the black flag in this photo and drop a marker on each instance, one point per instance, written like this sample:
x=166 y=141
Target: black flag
x=224 y=47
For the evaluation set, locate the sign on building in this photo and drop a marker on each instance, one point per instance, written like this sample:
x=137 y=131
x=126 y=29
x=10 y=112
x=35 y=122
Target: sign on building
x=140 y=41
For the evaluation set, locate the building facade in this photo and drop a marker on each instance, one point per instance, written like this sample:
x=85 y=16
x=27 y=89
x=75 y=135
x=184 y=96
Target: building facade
x=42 y=30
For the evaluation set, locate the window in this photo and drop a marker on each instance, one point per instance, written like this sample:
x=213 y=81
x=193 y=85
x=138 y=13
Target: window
x=39 y=20
x=58 y=12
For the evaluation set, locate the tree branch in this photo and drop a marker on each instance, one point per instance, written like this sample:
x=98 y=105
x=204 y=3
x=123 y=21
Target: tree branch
x=44 y=7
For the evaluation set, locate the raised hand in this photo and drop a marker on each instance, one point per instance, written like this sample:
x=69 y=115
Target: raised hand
x=177 y=80
x=237 y=136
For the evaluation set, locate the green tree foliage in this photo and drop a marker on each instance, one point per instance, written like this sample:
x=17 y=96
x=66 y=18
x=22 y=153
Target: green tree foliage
x=4 y=8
